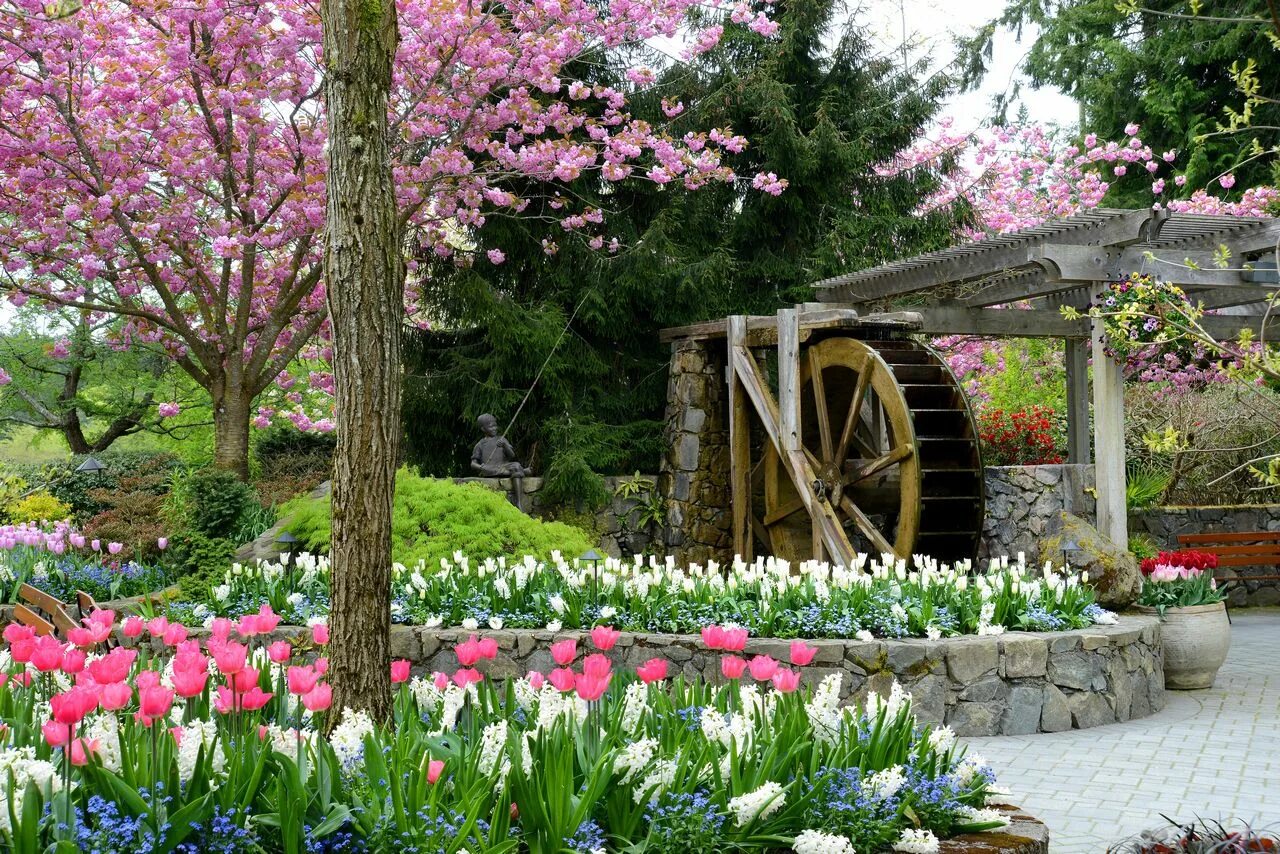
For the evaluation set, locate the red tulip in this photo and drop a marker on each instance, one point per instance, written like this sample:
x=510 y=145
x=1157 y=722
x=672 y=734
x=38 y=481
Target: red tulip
x=564 y=652
x=762 y=668
x=320 y=634
x=280 y=652
x=593 y=687
x=132 y=627
x=254 y=699
x=399 y=671
x=604 y=637
x=732 y=666
x=596 y=665
x=468 y=651
x=302 y=680
x=435 y=768
x=735 y=640
x=713 y=637
x=189 y=683
x=115 y=696
x=786 y=680
x=318 y=698
x=563 y=679
x=802 y=653
x=653 y=670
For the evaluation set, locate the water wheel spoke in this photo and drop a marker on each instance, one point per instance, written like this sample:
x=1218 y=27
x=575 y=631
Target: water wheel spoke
x=854 y=416
x=820 y=402
x=879 y=464
x=865 y=525
x=782 y=511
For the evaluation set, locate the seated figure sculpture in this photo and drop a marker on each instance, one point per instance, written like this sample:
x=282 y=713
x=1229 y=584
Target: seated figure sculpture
x=493 y=455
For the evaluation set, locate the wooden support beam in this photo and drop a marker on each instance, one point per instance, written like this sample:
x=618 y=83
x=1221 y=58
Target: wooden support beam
x=999 y=322
x=739 y=446
x=1108 y=438
x=789 y=379
x=1077 y=364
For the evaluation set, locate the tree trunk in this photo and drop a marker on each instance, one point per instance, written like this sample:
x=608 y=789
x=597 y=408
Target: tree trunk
x=364 y=276
x=231 y=430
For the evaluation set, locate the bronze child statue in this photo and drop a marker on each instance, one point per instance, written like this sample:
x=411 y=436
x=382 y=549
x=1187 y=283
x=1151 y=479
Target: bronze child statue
x=493 y=455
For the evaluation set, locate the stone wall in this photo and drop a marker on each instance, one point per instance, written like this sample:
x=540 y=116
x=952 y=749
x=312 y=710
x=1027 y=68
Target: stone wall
x=1164 y=524
x=695 y=466
x=1024 y=502
x=1012 y=684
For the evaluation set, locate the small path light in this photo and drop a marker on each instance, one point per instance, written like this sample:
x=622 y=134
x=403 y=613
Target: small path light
x=1069 y=548
x=91 y=466
x=593 y=557
x=287 y=541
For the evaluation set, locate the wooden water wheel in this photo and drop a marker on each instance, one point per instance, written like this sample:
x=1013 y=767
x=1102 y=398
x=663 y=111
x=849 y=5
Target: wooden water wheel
x=887 y=433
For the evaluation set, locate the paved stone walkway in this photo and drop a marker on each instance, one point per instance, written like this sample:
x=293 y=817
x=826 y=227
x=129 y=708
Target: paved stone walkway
x=1212 y=753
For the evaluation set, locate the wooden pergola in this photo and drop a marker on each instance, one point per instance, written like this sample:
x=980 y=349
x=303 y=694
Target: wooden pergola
x=1014 y=285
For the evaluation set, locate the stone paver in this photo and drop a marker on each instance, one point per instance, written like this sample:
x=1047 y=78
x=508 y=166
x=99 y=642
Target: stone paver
x=1212 y=753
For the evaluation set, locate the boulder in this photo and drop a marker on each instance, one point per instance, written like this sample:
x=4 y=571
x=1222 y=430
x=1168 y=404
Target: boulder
x=1113 y=571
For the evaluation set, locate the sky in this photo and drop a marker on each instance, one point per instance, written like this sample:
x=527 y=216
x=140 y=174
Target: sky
x=930 y=27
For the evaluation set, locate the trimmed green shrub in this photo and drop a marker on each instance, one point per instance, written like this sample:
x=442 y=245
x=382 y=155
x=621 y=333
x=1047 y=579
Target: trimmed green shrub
x=435 y=518
x=201 y=562
x=37 y=507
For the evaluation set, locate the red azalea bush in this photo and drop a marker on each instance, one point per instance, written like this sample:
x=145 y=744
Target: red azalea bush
x=1023 y=437
x=1181 y=559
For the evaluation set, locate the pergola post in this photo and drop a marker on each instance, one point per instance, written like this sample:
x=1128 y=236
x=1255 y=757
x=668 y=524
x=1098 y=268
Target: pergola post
x=1077 y=364
x=1108 y=437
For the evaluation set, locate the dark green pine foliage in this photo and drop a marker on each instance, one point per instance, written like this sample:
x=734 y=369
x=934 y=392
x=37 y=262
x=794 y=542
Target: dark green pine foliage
x=1169 y=73
x=822 y=118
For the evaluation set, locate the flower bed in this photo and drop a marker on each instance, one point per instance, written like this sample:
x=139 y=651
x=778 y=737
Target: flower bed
x=769 y=598
x=139 y=751
x=61 y=561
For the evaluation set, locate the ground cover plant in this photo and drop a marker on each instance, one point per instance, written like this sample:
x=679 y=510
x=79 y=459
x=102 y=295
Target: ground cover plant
x=768 y=598
x=167 y=743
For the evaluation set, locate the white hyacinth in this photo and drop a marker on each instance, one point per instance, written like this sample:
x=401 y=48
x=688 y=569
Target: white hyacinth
x=917 y=841
x=634 y=705
x=492 y=743
x=634 y=758
x=885 y=784
x=942 y=739
x=347 y=739
x=817 y=842
x=658 y=780
x=984 y=816
x=761 y=803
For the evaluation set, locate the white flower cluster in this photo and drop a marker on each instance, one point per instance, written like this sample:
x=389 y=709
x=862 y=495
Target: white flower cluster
x=347 y=739
x=634 y=704
x=984 y=816
x=817 y=842
x=634 y=758
x=915 y=841
x=493 y=742
x=942 y=739
x=823 y=709
x=883 y=785
x=761 y=803
x=197 y=735
x=660 y=777
x=27 y=771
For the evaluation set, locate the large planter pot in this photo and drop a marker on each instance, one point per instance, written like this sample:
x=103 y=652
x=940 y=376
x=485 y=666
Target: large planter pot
x=1195 y=642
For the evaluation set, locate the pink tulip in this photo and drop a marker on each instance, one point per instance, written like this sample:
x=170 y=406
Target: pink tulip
x=762 y=668
x=713 y=637
x=399 y=671
x=230 y=657
x=604 y=637
x=146 y=679
x=162 y=543
x=488 y=648
x=653 y=670
x=225 y=700
x=802 y=653
x=153 y=704
x=132 y=627
x=77 y=540
x=267 y=619
x=536 y=680
x=592 y=687
x=320 y=634
x=280 y=652
x=247 y=626
x=244 y=680
x=114 y=548
x=220 y=629
x=56 y=734
x=158 y=626
x=596 y=665
x=786 y=680
x=735 y=640
x=435 y=768
x=302 y=680
x=189 y=683
x=464 y=676
x=468 y=652
x=73 y=661
x=112 y=667
x=732 y=666
x=101 y=617
x=322 y=665
x=96 y=545
x=254 y=699
x=47 y=654
x=440 y=680
x=15 y=632
x=318 y=698
x=562 y=679
x=70 y=707
x=175 y=634
x=81 y=749
x=115 y=696
x=564 y=652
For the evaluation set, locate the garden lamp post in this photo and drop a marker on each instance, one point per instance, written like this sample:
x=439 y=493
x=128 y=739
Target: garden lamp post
x=286 y=542
x=91 y=466
x=594 y=559
x=1069 y=548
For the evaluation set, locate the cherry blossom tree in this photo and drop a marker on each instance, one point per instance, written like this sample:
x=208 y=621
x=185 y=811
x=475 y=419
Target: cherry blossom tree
x=165 y=162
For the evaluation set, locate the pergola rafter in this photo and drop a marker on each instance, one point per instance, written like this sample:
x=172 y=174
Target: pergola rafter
x=1013 y=285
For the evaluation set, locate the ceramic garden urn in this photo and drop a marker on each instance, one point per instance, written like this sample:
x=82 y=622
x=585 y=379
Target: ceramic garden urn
x=1195 y=640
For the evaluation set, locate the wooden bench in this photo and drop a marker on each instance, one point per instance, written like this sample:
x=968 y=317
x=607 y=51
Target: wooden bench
x=1248 y=548
x=44 y=606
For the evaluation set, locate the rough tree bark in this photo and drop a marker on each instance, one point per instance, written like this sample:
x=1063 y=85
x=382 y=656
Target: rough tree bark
x=364 y=274
x=231 y=428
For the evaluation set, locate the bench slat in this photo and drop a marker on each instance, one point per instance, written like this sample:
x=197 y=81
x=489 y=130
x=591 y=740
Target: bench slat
x=1229 y=537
